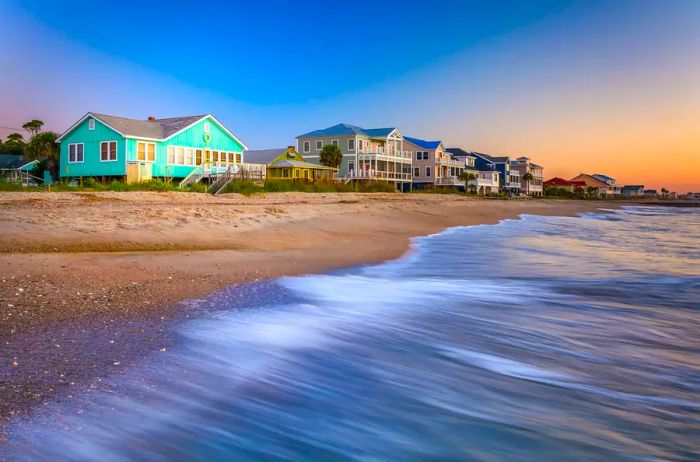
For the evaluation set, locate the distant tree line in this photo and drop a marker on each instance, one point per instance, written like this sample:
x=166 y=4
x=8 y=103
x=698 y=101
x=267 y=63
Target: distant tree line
x=40 y=145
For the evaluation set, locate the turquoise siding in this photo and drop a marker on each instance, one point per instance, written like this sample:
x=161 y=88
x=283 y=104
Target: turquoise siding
x=92 y=166
x=193 y=137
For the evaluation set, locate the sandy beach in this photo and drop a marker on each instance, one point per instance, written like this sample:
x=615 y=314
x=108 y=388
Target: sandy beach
x=89 y=282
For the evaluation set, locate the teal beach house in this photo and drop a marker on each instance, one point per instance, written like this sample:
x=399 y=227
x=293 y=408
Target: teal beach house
x=108 y=147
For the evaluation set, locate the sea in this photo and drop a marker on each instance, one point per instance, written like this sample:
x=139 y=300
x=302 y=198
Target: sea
x=536 y=339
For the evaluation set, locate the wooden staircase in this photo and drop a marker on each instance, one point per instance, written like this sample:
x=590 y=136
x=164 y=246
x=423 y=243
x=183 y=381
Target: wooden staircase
x=221 y=182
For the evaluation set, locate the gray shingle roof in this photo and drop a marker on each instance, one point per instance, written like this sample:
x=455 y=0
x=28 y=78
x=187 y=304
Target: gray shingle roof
x=262 y=156
x=156 y=129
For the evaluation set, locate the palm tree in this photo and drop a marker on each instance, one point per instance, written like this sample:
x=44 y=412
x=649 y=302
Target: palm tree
x=468 y=177
x=43 y=145
x=331 y=156
x=527 y=177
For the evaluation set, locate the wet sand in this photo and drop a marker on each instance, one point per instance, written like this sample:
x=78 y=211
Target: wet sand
x=90 y=282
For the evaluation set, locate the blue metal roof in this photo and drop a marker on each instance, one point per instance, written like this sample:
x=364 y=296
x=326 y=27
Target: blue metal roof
x=423 y=143
x=601 y=177
x=379 y=131
x=347 y=129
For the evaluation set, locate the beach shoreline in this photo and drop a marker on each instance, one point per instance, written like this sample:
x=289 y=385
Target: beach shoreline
x=92 y=282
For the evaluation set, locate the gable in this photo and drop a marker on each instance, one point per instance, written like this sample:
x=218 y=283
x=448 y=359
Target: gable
x=80 y=132
x=194 y=136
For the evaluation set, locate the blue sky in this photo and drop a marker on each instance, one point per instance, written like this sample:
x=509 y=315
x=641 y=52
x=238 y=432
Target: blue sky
x=573 y=84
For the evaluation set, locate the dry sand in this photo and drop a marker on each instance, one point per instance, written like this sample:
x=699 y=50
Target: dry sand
x=89 y=281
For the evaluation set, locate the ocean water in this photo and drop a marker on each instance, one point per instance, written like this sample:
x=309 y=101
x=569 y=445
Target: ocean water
x=540 y=339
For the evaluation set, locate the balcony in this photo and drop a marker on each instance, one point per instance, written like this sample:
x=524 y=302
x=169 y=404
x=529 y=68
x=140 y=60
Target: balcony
x=377 y=175
x=449 y=162
x=385 y=154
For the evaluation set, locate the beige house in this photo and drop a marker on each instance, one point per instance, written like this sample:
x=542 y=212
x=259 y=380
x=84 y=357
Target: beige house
x=433 y=165
x=368 y=154
x=533 y=186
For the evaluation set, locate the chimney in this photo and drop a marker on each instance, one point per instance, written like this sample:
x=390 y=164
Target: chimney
x=151 y=117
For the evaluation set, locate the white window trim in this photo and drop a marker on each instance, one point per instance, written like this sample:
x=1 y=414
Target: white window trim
x=109 y=151
x=336 y=142
x=317 y=143
x=427 y=171
x=306 y=146
x=416 y=172
x=91 y=124
x=76 y=153
x=354 y=144
x=146 y=152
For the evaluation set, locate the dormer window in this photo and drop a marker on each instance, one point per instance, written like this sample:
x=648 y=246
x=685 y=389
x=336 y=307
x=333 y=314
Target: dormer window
x=91 y=124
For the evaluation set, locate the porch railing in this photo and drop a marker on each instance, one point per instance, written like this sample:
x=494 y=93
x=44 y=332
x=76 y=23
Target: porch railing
x=377 y=175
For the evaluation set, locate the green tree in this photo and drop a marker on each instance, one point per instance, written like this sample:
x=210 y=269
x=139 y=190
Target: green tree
x=44 y=146
x=468 y=177
x=331 y=156
x=13 y=145
x=33 y=126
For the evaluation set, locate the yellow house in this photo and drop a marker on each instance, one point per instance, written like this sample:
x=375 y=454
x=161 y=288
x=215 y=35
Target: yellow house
x=288 y=164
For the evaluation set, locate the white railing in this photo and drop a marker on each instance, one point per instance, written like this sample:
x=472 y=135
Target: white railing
x=387 y=153
x=449 y=181
x=376 y=175
x=449 y=161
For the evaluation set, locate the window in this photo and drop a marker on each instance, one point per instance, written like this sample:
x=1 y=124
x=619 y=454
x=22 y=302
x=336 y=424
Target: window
x=319 y=145
x=239 y=157
x=91 y=124
x=171 y=154
x=351 y=165
x=207 y=127
x=189 y=156
x=108 y=151
x=76 y=153
x=145 y=152
x=179 y=156
x=416 y=171
x=427 y=171
x=361 y=145
x=334 y=142
x=351 y=144
x=421 y=155
x=198 y=157
x=307 y=146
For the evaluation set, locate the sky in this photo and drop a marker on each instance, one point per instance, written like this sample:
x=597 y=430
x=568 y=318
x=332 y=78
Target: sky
x=591 y=86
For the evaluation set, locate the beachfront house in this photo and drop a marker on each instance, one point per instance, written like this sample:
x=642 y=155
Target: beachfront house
x=15 y=168
x=566 y=185
x=636 y=190
x=651 y=193
x=108 y=147
x=613 y=189
x=288 y=164
x=533 y=186
x=368 y=153
x=433 y=165
x=487 y=179
x=509 y=178
x=594 y=185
